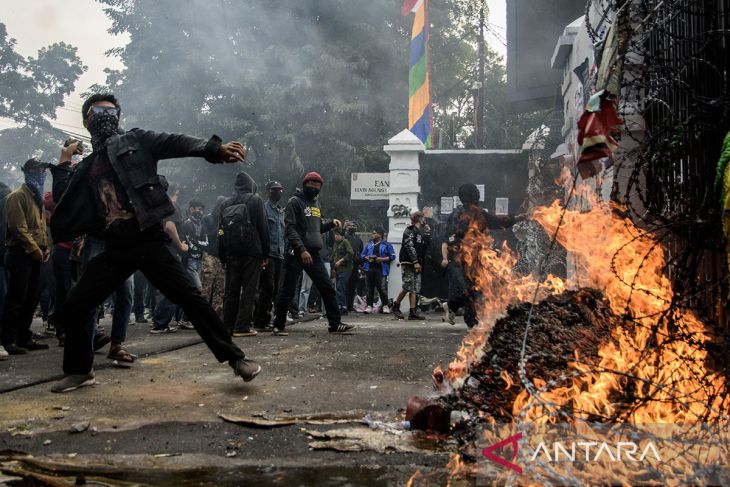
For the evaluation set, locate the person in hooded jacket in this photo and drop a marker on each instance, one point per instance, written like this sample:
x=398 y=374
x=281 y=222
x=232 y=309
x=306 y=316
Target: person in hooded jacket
x=116 y=193
x=27 y=245
x=304 y=227
x=243 y=266
x=461 y=289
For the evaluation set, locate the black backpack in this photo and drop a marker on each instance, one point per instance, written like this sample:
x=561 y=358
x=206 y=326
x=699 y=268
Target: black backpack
x=236 y=234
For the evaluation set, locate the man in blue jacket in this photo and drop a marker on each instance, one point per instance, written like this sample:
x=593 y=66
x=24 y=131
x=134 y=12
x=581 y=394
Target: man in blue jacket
x=376 y=257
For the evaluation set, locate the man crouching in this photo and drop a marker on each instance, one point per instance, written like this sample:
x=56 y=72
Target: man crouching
x=116 y=194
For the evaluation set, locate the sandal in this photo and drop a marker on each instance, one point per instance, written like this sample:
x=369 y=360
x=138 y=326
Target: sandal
x=121 y=355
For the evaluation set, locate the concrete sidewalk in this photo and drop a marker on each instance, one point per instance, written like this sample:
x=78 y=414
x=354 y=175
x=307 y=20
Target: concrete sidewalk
x=169 y=403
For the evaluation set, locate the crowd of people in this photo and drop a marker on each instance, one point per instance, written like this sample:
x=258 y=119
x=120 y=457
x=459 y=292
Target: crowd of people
x=111 y=235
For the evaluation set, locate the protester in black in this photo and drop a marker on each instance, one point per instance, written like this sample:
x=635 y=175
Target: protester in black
x=243 y=258
x=416 y=238
x=116 y=193
x=304 y=229
x=271 y=274
x=461 y=289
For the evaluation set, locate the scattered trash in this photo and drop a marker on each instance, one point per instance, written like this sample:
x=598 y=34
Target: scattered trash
x=362 y=438
x=261 y=421
x=278 y=378
x=166 y=455
x=231 y=453
x=394 y=427
x=72 y=455
x=373 y=387
x=47 y=442
x=428 y=414
x=80 y=427
x=62 y=408
x=245 y=398
x=200 y=405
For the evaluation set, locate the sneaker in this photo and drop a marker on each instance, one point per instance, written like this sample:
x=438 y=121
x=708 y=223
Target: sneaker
x=245 y=369
x=368 y=310
x=141 y=319
x=279 y=333
x=4 y=355
x=245 y=333
x=33 y=345
x=73 y=382
x=449 y=315
x=414 y=316
x=185 y=325
x=159 y=331
x=386 y=310
x=289 y=319
x=397 y=313
x=14 y=349
x=341 y=329
x=100 y=341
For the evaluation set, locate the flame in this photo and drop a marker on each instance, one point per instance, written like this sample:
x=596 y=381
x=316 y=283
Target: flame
x=458 y=468
x=649 y=355
x=413 y=478
x=490 y=271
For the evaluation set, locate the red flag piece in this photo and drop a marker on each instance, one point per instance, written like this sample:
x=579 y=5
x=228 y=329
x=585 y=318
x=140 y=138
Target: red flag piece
x=408 y=6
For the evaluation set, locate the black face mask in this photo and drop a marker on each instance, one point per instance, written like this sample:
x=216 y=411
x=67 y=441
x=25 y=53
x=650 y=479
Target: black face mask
x=275 y=196
x=196 y=215
x=101 y=127
x=310 y=193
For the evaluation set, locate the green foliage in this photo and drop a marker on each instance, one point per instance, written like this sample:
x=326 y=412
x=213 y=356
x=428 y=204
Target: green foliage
x=31 y=90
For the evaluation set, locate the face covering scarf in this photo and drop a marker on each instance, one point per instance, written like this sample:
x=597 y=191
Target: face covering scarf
x=35 y=181
x=101 y=127
x=311 y=193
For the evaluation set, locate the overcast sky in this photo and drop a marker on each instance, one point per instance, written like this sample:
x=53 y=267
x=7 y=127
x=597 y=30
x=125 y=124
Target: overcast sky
x=82 y=23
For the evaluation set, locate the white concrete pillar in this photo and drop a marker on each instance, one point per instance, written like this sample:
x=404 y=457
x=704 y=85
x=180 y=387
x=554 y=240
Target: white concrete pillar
x=404 y=150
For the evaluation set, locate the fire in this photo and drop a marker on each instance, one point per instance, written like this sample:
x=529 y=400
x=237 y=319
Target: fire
x=650 y=355
x=490 y=271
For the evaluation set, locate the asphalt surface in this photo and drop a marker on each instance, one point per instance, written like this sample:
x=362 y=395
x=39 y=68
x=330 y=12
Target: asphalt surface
x=158 y=422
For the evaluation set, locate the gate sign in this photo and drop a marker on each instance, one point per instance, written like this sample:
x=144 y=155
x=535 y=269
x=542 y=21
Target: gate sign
x=369 y=186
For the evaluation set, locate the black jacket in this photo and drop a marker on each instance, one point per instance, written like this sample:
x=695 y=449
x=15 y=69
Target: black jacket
x=133 y=156
x=304 y=224
x=245 y=191
x=414 y=245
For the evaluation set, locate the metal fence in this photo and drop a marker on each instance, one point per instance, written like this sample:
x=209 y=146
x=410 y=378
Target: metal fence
x=683 y=88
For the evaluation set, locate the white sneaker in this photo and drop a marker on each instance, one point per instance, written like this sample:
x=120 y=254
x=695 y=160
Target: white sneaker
x=368 y=310
x=386 y=310
x=3 y=353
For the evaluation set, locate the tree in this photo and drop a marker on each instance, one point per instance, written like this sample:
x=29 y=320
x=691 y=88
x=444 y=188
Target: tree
x=31 y=91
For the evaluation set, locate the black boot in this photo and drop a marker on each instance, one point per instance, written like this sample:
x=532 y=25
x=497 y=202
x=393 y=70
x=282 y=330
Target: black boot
x=414 y=316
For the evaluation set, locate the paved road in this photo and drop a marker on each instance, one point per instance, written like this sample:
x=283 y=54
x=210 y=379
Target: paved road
x=168 y=403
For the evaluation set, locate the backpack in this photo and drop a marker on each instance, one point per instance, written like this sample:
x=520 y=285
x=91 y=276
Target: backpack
x=236 y=234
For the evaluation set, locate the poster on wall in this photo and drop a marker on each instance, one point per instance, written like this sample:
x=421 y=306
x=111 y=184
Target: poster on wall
x=480 y=187
x=447 y=205
x=501 y=206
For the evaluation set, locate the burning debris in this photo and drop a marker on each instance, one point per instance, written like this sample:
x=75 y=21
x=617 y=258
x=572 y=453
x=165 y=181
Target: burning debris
x=618 y=347
x=563 y=327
